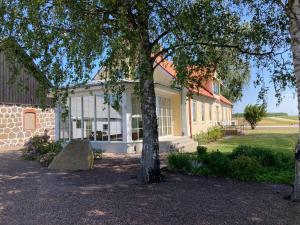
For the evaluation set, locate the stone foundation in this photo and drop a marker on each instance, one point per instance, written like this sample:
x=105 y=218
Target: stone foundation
x=12 y=129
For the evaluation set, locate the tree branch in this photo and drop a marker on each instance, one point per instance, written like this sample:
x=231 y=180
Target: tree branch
x=159 y=37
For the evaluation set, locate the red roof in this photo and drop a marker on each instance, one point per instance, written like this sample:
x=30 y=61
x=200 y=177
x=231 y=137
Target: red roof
x=225 y=100
x=170 y=68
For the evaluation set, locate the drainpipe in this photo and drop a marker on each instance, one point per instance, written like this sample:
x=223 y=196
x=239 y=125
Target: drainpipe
x=190 y=118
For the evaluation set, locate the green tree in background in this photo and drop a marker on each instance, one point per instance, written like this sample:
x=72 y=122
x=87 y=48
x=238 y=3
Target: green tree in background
x=253 y=114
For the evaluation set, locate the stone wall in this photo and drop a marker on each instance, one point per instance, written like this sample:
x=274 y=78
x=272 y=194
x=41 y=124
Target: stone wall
x=12 y=130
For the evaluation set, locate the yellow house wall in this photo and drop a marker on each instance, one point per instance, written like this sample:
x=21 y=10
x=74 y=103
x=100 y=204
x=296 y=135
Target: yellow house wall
x=176 y=115
x=224 y=114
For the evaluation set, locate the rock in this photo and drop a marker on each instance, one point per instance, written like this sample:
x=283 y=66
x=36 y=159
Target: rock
x=77 y=155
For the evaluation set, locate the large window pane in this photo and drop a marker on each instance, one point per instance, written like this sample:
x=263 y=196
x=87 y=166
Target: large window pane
x=136 y=122
x=115 y=121
x=63 y=125
x=76 y=117
x=101 y=119
x=88 y=117
x=164 y=115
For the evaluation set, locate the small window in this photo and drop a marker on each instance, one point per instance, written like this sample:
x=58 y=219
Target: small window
x=216 y=88
x=203 y=112
x=210 y=112
x=78 y=124
x=194 y=111
x=105 y=127
x=29 y=121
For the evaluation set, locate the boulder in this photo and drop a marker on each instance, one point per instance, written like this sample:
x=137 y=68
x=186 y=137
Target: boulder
x=76 y=155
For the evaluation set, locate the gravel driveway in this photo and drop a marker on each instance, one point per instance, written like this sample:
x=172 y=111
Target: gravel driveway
x=32 y=195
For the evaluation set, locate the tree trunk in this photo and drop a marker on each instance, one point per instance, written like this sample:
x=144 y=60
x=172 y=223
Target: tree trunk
x=294 y=17
x=150 y=164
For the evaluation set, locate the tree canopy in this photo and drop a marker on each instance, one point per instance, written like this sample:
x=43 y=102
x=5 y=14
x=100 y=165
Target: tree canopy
x=68 y=39
x=128 y=39
x=254 y=114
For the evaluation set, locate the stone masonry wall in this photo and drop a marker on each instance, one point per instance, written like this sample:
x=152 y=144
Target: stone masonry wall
x=12 y=130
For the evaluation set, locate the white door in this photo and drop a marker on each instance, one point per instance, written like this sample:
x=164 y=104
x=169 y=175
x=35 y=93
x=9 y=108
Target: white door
x=164 y=114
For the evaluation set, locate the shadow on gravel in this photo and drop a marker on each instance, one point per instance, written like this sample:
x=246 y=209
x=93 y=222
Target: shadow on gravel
x=30 y=194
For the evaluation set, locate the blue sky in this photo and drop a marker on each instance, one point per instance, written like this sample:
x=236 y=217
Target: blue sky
x=288 y=105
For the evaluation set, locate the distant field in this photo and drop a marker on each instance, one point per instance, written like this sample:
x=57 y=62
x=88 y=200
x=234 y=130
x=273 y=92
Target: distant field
x=274 y=121
x=290 y=117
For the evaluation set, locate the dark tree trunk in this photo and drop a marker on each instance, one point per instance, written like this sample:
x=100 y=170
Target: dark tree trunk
x=150 y=164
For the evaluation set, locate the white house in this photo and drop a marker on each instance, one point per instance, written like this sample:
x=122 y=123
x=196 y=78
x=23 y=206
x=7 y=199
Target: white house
x=121 y=131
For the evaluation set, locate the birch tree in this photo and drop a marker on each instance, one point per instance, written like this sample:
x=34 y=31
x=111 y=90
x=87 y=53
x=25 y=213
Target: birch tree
x=68 y=39
x=292 y=8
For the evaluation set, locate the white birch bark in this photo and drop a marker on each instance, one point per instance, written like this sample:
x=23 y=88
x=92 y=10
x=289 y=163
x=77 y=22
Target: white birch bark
x=294 y=17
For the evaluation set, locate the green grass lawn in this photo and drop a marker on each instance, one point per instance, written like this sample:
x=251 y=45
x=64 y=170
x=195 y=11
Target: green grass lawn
x=279 y=139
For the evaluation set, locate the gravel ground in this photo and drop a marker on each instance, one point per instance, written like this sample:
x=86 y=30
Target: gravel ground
x=110 y=194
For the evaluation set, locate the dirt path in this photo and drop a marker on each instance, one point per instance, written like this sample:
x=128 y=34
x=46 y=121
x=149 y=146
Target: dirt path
x=31 y=195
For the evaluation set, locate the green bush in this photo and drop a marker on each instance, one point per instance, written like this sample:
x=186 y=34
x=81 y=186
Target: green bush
x=218 y=163
x=41 y=149
x=47 y=158
x=212 y=134
x=180 y=162
x=245 y=163
x=201 y=151
x=265 y=157
x=245 y=168
x=54 y=147
x=215 y=133
x=201 y=138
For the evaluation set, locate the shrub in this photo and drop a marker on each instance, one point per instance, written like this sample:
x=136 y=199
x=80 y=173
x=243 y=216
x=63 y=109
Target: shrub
x=218 y=163
x=180 y=162
x=54 y=147
x=47 y=158
x=201 y=138
x=212 y=134
x=265 y=157
x=39 y=148
x=201 y=150
x=245 y=168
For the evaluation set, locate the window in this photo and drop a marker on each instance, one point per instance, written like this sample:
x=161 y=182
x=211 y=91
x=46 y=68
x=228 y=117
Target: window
x=64 y=123
x=88 y=117
x=76 y=117
x=217 y=114
x=194 y=116
x=115 y=120
x=78 y=124
x=216 y=88
x=105 y=127
x=29 y=121
x=203 y=111
x=164 y=114
x=136 y=121
x=101 y=119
